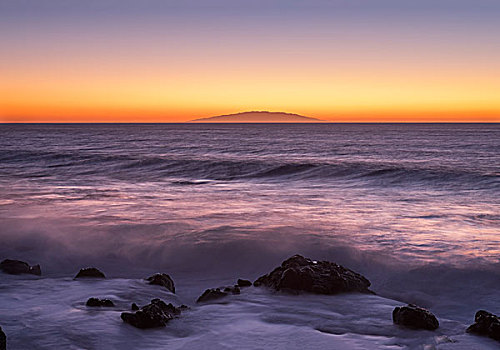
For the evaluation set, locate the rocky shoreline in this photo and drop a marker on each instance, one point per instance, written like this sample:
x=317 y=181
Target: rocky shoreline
x=294 y=276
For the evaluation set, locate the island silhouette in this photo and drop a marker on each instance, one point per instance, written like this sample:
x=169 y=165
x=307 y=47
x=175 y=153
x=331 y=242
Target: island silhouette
x=258 y=117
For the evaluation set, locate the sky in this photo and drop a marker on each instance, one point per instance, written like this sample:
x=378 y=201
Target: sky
x=173 y=61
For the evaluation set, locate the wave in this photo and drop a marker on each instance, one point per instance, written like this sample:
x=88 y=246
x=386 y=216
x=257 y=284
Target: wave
x=185 y=169
x=127 y=251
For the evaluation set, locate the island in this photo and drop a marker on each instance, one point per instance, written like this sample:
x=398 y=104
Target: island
x=258 y=117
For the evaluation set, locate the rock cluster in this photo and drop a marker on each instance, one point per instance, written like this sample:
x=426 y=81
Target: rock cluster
x=95 y=302
x=321 y=277
x=162 y=279
x=156 y=314
x=485 y=323
x=90 y=272
x=217 y=293
x=296 y=274
x=16 y=267
x=412 y=316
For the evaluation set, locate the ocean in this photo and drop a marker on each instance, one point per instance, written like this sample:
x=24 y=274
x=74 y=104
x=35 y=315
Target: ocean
x=415 y=208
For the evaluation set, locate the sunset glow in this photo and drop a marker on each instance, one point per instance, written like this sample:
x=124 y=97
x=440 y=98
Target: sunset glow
x=169 y=62
x=249 y=174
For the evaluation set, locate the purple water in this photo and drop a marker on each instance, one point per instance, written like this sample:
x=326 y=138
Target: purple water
x=413 y=207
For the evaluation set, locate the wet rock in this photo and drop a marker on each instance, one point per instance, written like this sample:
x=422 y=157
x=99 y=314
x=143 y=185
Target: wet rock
x=3 y=340
x=90 y=272
x=17 y=267
x=232 y=290
x=211 y=294
x=153 y=315
x=134 y=307
x=95 y=302
x=487 y=324
x=217 y=293
x=321 y=277
x=162 y=279
x=412 y=316
x=243 y=283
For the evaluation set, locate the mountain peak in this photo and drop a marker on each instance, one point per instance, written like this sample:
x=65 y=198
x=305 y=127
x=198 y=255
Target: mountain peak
x=258 y=117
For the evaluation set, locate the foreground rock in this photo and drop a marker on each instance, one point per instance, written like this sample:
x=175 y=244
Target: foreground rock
x=3 y=340
x=321 y=277
x=90 y=272
x=17 y=267
x=95 y=302
x=217 y=293
x=153 y=315
x=412 y=316
x=243 y=283
x=486 y=324
x=162 y=279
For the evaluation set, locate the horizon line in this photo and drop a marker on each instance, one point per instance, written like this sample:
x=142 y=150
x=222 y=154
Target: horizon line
x=319 y=123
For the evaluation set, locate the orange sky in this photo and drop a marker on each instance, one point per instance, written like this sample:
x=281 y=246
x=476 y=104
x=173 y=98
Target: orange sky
x=156 y=68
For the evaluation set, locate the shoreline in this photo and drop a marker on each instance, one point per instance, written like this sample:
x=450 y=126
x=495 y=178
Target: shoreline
x=249 y=299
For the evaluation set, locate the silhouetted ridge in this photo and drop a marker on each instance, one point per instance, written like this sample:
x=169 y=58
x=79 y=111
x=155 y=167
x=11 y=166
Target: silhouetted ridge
x=258 y=117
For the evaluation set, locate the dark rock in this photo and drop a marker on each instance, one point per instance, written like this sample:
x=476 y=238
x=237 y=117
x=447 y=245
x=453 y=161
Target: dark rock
x=412 y=316
x=211 y=294
x=36 y=270
x=95 y=302
x=153 y=315
x=135 y=307
x=3 y=340
x=487 y=324
x=232 y=290
x=162 y=279
x=243 y=283
x=90 y=272
x=321 y=277
x=16 y=267
x=217 y=293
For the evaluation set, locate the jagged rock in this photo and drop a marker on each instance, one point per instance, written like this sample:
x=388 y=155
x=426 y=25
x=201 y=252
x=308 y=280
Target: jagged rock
x=412 y=316
x=153 y=315
x=162 y=279
x=134 y=307
x=90 y=272
x=95 y=302
x=3 y=340
x=243 y=283
x=321 y=277
x=16 y=267
x=487 y=324
x=216 y=293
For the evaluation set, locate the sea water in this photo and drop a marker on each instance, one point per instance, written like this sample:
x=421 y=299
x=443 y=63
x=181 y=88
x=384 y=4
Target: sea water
x=413 y=207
